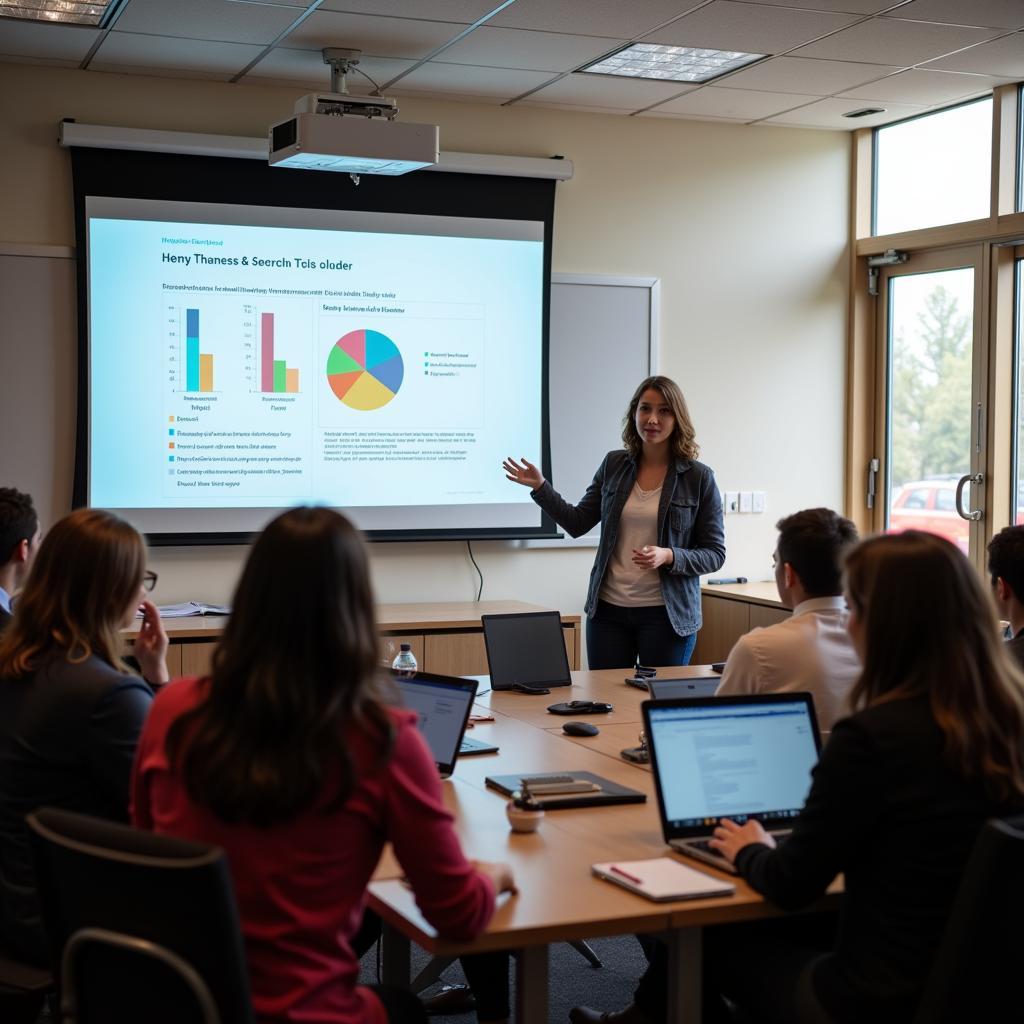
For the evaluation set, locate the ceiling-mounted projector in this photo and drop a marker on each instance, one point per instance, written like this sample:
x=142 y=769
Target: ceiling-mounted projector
x=334 y=131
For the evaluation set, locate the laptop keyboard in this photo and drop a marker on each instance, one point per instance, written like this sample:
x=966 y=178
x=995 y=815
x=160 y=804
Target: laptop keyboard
x=703 y=844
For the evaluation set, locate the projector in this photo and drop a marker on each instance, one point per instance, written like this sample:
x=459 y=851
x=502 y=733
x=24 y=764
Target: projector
x=352 y=134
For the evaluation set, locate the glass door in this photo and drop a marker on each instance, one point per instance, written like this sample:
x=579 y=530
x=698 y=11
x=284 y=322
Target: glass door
x=932 y=375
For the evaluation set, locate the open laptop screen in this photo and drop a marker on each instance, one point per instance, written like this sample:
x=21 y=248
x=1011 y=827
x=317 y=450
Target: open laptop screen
x=670 y=689
x=726 y=757
x=443 y=704
x=526 y=648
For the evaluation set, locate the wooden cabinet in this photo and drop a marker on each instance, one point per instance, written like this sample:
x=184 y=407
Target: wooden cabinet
x=445 y=638
x=731 y=611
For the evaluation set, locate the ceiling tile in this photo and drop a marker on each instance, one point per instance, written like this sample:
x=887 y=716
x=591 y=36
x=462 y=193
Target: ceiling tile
x=829 y=114
x=131 y=50
x=466 y=11
x=575 y=107
x=207 y=19
x=1000 y=57
x=616 y=18
x=609 y=91
x=805 y=75
x=834 y=6
x=750 y=27
x=308 y=68
x=734 y=103
x=889 y=41
x=925 y=87
x=516 y=48
x=694 y=117
x=985 y=13
x=382 y=37
x=468 y=80
x=37 y=39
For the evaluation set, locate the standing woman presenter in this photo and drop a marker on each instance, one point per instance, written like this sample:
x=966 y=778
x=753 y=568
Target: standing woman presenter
x=661 y=528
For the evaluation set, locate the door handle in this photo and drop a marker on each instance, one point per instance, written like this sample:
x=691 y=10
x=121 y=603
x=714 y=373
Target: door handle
x=974 y=515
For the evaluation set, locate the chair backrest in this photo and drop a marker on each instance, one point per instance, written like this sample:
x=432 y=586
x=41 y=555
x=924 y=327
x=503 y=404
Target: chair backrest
x=171 y=892
x=975 y=975
x=109 y=978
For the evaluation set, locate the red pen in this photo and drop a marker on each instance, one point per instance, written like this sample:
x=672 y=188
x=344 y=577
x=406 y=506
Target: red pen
x=625 y=874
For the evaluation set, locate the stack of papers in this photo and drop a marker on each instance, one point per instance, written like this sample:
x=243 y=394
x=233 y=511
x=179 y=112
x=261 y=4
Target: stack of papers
x=662 y=879
x=187 y=608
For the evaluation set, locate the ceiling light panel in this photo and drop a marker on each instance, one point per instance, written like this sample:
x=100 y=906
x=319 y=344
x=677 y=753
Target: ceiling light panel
x=73 y=12
x=663 y=63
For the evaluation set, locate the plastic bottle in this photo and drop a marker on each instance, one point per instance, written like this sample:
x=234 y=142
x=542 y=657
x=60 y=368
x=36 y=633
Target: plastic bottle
x=405 y=661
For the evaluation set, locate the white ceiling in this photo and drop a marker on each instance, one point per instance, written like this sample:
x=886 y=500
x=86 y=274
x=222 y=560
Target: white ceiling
x=827 y=57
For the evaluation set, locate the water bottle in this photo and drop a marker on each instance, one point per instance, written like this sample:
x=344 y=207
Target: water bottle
x=405 y=661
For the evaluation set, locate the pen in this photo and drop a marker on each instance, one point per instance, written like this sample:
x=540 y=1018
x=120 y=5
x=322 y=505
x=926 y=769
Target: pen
x=625 y=874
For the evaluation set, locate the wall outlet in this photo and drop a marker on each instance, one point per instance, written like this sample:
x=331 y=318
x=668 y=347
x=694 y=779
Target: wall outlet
x=759 y=501
x=732 y=502
x=746 y=501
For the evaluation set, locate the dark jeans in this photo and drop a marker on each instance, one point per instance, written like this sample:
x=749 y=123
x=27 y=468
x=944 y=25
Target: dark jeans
x=764 y=968
x=618 y=637
x=487 y=976
x=402 y=1007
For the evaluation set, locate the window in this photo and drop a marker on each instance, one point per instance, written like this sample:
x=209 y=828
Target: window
x=916 y=499
x=1017 y=483
x=934 y=169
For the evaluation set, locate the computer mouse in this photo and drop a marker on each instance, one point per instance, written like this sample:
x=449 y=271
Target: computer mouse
x=580 y=729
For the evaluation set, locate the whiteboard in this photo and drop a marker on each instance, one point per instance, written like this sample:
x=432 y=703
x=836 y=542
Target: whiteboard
x=603 y=342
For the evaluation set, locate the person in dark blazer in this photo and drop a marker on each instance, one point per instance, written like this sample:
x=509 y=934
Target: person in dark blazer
x=19 y=538
x=70 y=709
x=661 y=529
x=935 y=746
x=1006 y=566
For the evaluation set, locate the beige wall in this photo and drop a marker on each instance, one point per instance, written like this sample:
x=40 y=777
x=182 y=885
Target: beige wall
x=745 y=227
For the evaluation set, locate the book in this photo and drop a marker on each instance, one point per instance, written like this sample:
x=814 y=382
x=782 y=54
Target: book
x=662 y=879
x=189 y=608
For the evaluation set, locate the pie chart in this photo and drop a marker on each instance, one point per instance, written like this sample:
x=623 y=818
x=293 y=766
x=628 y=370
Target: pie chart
x=365 y=369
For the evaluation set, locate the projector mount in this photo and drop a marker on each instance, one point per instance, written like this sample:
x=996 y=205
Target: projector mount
x=338 y=102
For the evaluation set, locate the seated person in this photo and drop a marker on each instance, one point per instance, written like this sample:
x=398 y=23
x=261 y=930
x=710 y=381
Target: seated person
x=1006 y=566
x=19 y=538
x=811 y=650
x=291 y=757
x=896 y=803
x=70 y=710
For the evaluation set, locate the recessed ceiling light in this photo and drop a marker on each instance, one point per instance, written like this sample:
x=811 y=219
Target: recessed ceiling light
x=66 y=12
x=670 y=63
x=864 y=112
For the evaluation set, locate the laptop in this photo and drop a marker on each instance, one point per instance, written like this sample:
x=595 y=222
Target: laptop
x=443 y=704
x=730 y=757
x=526 y=648
x=672 y=689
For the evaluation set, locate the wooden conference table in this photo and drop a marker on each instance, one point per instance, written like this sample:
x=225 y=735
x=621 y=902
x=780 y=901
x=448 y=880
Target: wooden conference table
x=559 y=898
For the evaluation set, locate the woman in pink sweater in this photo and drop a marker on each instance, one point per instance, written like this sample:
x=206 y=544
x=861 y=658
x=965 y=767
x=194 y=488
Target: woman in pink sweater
x=292 y=758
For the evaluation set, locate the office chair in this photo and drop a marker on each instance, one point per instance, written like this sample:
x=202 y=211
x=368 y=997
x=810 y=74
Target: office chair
x=976 y=972
x=23 y=987
x=140 y=926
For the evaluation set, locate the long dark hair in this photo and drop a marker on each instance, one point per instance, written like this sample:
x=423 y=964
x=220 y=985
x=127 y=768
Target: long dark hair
x=683 y=441
x=296 y=667
x=930 y=629
x=83 y=580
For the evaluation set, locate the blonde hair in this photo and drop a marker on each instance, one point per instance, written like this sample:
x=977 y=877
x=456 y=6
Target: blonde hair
x=930 y=630
x=683 y=440
x=84 y=577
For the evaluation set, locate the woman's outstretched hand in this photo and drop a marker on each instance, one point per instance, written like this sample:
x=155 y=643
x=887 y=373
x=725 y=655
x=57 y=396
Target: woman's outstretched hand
x=525 y=473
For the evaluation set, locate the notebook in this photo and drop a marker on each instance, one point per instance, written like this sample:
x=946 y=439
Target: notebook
x=577 y=789
x=526 y=648
x=443 y=704
x=670 y=689
x=729 y=757
x=662 y=879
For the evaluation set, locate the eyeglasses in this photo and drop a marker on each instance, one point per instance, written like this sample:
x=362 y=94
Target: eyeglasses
x=149 y=579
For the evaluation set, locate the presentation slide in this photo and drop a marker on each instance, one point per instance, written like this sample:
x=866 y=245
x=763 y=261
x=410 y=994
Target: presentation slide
x=245 y=359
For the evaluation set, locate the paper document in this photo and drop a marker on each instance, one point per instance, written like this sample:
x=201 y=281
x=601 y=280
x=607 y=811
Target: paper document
x=188 y=608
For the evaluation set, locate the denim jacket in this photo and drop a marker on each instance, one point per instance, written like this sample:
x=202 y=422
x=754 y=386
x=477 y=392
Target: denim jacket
x=689 y=522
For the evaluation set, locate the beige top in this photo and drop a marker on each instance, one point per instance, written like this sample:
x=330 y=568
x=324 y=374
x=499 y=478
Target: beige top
x=626 y=584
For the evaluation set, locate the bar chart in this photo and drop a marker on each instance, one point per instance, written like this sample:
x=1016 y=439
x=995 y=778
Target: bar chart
x=276 y=376
x=198 y=364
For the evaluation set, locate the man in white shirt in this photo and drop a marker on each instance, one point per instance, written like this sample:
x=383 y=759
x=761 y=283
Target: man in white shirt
x=811 y=650
x=19 y=538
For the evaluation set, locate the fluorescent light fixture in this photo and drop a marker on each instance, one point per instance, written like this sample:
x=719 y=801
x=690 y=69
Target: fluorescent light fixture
x=670 y=63
x=66 y=12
